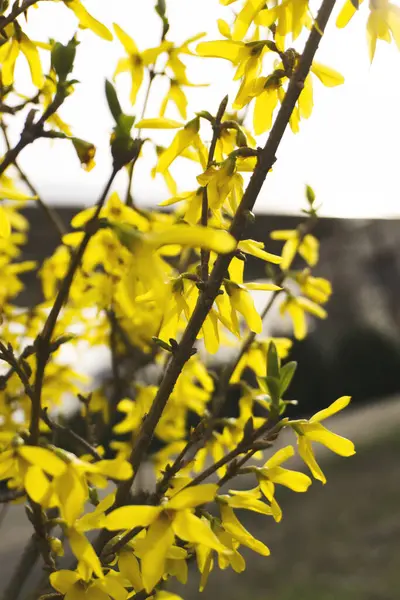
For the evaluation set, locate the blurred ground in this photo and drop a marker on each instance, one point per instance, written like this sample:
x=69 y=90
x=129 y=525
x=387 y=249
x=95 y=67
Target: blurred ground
x=339 y=541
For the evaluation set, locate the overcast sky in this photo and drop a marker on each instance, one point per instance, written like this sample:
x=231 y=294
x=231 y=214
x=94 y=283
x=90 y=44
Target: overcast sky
x=348 y=151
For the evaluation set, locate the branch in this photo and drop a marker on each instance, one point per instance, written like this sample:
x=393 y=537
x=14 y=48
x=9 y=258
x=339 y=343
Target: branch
x=208 y=295
x=17 y=10
x=32 y=131
x=43 y=341
x=77 y=439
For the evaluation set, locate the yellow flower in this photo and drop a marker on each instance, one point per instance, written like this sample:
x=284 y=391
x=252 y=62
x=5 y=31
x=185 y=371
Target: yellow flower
x=317 y=289
x=307 y=247
x=312 y=431
x=5 y=227
x=296 y=308
x=86 y=21
x=147 y=272
x=136 y=61
x=74 y=587
x=290 y=16
x=186 y=138
x=241 y=302
x=383 y=22
x=175 y=517
x=18 y=42
x=232 y=525
x=272 y=473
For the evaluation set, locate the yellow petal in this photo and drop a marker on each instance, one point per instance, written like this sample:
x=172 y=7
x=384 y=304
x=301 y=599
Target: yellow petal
x=264 y=107
x=193 y=496
x=158 y=123
x=128 y=517
x=84 y=551
x=43 y=458
x=194 y=236
x=128 y=565
x=14 y=194
x=347 y=12
x=32 y=56
x=257 y=249
x=336 y=443
x=334 y=408
x=37 y=485
x=72 y=492
x=127 y=42
x=87 y=21
x=326 y=75
x=7 y=71
x=298 y=482
x=307 y=454
x=233 y=526
x=279 y=457
x=63 y=580
x=192 y=529
x=245 y=18
x=5 y=227
x=158 y=541
x=226 y=49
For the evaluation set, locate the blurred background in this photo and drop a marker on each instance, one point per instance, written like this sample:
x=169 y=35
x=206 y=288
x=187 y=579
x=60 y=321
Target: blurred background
x=338 y=541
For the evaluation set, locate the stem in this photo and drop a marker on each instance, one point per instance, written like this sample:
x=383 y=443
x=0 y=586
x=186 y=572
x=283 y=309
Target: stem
x=205 y=254
x=31 y=132
x=207 y=296
x=152 y=76
x=17 y=10
x=44 y=339
x=77 y=439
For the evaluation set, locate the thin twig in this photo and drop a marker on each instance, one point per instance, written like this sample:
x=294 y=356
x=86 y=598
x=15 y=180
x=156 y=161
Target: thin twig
x=207 y=296
x=17 y=10
x=43 y=341
x=77 y=439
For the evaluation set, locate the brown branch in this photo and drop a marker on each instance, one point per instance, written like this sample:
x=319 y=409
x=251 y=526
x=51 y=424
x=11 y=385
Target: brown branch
x=32 y=131
x=76 y=439
x=208 y=295
x=17 y=10
x=43 y=341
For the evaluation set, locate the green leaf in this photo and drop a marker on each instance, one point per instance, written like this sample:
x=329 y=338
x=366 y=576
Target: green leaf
x=272 y=361
x=274 y=389
x=125 y=123
x=286 y=376
x=113 y=102
x=310 y=195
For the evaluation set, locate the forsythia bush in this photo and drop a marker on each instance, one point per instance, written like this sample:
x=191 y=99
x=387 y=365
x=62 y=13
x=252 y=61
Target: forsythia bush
x=160 y=288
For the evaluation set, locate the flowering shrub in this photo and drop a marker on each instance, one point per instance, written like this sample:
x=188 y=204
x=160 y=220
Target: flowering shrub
x=160 y=288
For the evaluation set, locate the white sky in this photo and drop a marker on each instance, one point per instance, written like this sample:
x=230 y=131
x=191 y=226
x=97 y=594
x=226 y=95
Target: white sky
x=348 y=150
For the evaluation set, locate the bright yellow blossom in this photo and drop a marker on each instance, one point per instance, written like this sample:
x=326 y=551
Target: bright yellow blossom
x=312 y=431
x=18 y=42
x=307 y=247
x=173 y=518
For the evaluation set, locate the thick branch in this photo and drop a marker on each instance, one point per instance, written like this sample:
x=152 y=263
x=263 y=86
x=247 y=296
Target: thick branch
x=207 y=297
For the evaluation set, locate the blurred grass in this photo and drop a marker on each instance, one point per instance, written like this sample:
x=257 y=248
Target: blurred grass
x=338 y=541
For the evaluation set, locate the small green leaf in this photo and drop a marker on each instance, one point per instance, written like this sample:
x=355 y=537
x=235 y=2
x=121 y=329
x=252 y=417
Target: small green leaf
x=286 y=376
x=113 y=102
x=310 y=195
x=272 y=361
x=274 y=388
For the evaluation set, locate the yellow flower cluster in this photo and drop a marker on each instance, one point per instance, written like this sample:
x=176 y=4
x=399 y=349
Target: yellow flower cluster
x=161 y=290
